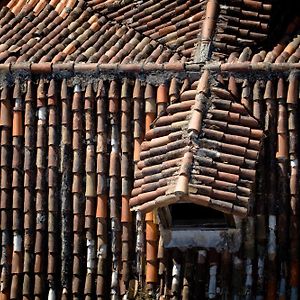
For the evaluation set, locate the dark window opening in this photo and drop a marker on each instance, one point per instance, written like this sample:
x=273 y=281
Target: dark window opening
x=192 y=215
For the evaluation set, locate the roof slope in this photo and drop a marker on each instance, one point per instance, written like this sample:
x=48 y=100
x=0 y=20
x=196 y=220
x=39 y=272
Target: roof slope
x=72 y=31
x=175 y=24
x=125 y=31
x=203 y=151
x=240 y=24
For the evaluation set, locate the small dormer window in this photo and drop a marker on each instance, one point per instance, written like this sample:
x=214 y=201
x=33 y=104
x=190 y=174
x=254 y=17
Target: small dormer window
x=198 y=167
x=187 y=225
x=186 y=215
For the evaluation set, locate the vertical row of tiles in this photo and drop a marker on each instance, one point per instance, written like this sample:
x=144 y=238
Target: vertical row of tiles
x=140 y=220
x=152 y=234
x=293 y=113
x=282 y=161
x=90 y=190
x=114 y=181
x=102 y=174
x=41 y=205
x=29 y=178
x=6 y=244
x=17 y=212
x=77 y=191
x=65 y=170
x=53 y=191
x=126 y=178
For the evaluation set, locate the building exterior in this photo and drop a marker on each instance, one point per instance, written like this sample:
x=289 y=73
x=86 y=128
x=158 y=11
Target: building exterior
x=149 y=149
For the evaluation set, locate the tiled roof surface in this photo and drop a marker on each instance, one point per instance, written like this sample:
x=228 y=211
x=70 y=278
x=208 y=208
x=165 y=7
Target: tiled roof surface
x=63 y=32
x=95 y=132
x=70 y=147
x=76 y=143
x=176 y=24
x=241 y=24
x=124 y=31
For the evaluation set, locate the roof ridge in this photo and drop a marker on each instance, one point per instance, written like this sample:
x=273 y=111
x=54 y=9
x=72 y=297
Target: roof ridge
x=193 y=130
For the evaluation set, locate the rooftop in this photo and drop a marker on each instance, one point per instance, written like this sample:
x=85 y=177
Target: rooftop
x=113 y=109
